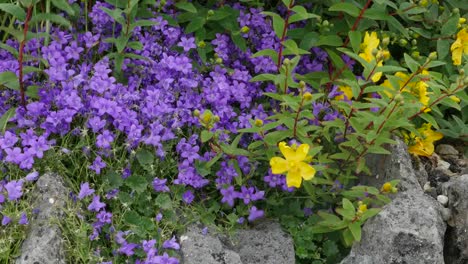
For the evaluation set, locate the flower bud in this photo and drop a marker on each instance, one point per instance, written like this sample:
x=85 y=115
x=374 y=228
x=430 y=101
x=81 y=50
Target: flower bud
x=455 y=98
x=287 y=61
x=258 y=122
x=302 y=84
x=385 y=41
x=456 y=11
x=461 y=72
x=201 y=44
x=196 y=113
x=433 y=55
x=375 y=52
x=210 y=12
x=399 y=98
x=307 y=96
x=219 y=60
x=415 y=55
x=403 y=42
x=414 y=42
x=465 y=80
x=245 y=29
x=325 y=23
x=216 y=118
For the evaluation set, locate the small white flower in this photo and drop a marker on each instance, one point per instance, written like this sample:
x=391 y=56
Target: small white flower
x=51 y=200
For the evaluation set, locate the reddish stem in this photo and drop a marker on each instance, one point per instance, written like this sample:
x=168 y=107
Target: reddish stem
x=283 y=35
x=296 y=119
x=20 y=55
x=356 y=23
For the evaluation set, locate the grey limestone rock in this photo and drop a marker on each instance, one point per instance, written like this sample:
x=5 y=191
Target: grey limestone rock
x=457 y=235
x=44 y=244
x=197 y=247
x=265 y=243
x=391 y=167
x=408 y=230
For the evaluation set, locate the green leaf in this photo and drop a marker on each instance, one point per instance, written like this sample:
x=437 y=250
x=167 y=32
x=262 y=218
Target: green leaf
x=443 y=48
x=64 y=5
x=206 y=135
x=329 y=40
x=137 y=183
x=54 y=18
x=263 y=77
x=132 y=218
x=113 y=180
x=355 y=40
x=278 y=23
x=450 y=27
x=164 y=201
x=238 y=40
x=348 y=238
x=412 y=64
x=196 y=23
x=135 y=45
x=267 y=52
x=14 y=10
x=187 y=6
x=145 y=157
x=347 y=205
x=355 y=229
x=10 y=80
x=5 y=118
x=116 y=14
x=393 y=22
x=370 y=213
x=300 y=14
x=345 y=7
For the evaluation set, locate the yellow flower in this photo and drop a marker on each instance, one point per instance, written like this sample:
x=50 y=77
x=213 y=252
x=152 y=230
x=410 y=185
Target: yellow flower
x=370 y=51
x=362 y=208
x=347 y=92
x=387 y=187
x=460 y=46
x=293 y=164
x=417 y=88
x=424 y=146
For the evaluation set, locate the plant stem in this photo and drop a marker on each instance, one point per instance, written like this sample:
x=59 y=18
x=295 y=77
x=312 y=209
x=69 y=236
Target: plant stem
x=356 y=23
x=283 y=36
x=20 y=55
x=296 y=119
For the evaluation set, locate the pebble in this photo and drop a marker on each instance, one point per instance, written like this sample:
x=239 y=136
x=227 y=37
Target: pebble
x=427 y=187
x=446 y=150
x=443 y=164
x=442 y=199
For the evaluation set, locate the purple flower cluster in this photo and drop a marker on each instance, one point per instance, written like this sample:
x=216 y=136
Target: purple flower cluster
x=81 y=97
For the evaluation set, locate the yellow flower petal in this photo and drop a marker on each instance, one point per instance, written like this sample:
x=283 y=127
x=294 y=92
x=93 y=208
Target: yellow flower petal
x=286 y=150
x=278 y=165
x=301 y=152
x=294 y=179
x=307 y=171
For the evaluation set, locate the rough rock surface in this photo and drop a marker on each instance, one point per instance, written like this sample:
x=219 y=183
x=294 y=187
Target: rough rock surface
x=402 y=233
x=266 y=243
x=391 y=167
x=457 y=235
x=197 y=247
x=43 y=244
